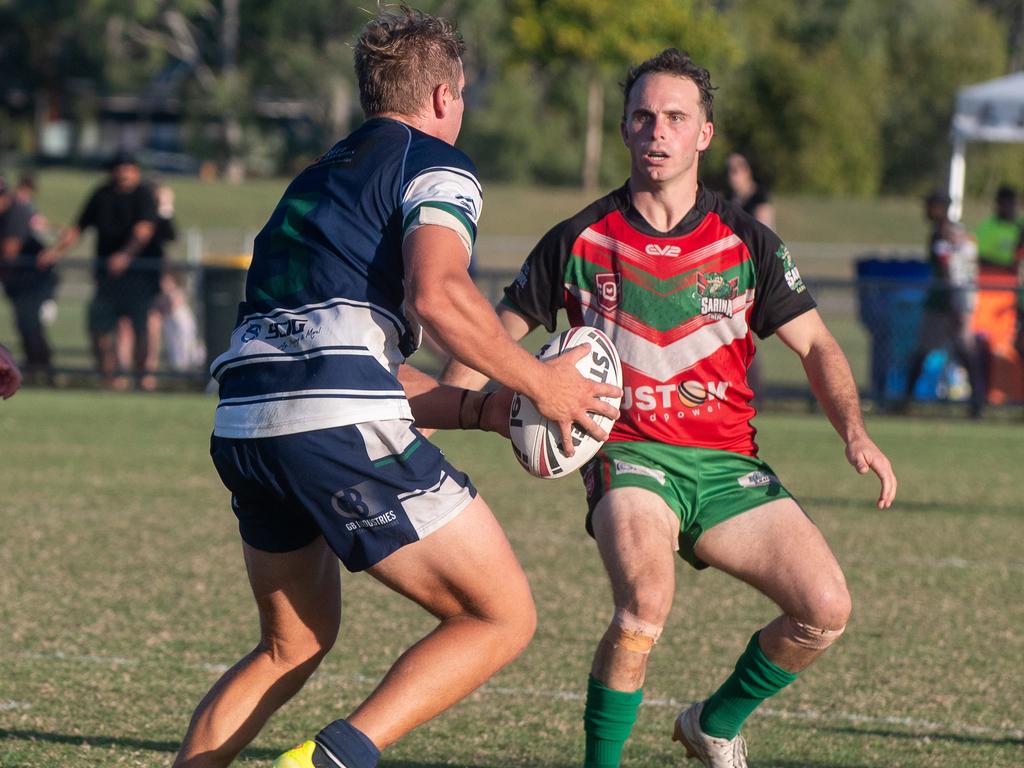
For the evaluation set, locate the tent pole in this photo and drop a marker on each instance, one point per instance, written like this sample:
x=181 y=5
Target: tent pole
x=956 y=176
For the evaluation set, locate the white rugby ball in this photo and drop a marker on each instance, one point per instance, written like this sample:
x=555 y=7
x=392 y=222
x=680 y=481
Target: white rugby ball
x=536 y=442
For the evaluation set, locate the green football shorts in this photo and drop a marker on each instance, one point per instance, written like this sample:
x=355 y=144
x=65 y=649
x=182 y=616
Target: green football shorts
x=703 y=487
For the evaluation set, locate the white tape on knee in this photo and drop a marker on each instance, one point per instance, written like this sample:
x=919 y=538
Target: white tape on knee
x=634 y=634
x=806 y=636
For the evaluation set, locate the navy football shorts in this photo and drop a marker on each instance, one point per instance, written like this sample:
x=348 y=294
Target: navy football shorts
x=370 y=489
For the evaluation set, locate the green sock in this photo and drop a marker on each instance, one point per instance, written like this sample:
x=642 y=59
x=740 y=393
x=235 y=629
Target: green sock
x=608 y=719
x=754 y=680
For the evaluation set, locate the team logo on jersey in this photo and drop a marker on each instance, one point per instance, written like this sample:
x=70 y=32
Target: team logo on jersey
x=251 y=333
x=626 y=468
x=758 y=479
x=716 y=294
x=609 y=286
x=469 y=204
x=653 y=249
x=792 y=274
x=695 y=393
x=666 y=402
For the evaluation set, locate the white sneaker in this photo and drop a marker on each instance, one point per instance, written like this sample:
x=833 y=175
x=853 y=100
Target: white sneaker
x=712 y=752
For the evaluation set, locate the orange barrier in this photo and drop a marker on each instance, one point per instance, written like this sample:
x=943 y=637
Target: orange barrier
x=995 y=318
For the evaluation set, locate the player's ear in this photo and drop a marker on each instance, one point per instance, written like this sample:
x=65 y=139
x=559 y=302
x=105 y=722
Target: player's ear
x=624 y=132
x=707 y=130
x=440 y=100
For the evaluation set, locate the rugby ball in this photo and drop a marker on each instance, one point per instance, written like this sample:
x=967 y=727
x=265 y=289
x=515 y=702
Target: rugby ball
x=536 y=442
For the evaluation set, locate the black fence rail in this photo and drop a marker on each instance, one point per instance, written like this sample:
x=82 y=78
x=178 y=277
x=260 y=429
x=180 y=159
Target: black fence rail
x=876 y=317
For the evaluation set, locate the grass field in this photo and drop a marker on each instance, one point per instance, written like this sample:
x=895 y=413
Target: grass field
x=122 y=596
x=514 y=211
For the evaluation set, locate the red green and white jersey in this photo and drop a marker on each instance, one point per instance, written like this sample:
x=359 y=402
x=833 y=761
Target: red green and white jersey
x=680 y=307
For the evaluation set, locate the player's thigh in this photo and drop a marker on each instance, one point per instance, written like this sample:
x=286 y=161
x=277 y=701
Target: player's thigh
x=465 y=566
x=776 y=548
x=298 y=594
x=637 y=534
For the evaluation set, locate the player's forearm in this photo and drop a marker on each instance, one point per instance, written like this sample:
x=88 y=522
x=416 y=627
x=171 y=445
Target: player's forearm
x=438 y=406
x=461 y=375
x=455 y=313
x=142 y=233
x=832 y=382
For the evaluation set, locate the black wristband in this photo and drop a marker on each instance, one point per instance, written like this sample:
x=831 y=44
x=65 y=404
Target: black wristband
x=462 y=402
x=483 y=404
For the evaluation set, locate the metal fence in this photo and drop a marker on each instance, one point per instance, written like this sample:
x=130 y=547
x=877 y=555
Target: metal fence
x=875 y=319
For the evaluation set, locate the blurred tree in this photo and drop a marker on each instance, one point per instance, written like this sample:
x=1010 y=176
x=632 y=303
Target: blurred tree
x=1011 y=14
x=934 y=48
x=43 y=45
x=845 y=97
x=601 y=38
x=802 y=106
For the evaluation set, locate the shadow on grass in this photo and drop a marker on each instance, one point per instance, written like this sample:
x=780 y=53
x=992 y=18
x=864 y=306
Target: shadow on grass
x=93 y=741
x=956 y=738
x=170 y=747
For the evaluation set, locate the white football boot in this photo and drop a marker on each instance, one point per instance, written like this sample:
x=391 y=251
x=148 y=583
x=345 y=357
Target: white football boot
x=712 y=752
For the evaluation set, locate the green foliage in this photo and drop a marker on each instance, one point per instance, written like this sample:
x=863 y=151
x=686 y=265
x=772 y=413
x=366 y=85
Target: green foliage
x=934 y=49
x=837 y=97
x=609 y=34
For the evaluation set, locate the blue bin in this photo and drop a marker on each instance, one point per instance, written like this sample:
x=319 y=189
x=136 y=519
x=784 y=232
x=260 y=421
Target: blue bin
x=891 y=295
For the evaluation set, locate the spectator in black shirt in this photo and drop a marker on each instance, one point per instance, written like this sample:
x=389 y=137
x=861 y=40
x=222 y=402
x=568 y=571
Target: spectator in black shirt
x=746 y=192
x=28 y=281
x=124 y=213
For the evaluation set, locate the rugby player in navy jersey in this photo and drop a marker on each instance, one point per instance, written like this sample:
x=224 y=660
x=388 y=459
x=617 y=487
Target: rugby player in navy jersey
x=680 y=279
x=314 y=431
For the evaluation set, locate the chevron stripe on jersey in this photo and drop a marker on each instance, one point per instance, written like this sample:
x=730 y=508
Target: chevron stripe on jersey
x=680 y=307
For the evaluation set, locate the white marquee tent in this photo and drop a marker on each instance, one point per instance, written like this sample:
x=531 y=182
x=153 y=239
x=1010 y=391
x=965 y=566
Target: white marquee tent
x=991 y=111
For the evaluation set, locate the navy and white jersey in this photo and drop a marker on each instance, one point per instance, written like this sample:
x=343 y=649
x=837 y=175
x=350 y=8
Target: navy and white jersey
x=322 y=330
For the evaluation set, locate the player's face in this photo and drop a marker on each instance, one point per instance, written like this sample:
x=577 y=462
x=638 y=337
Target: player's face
x=664 y=128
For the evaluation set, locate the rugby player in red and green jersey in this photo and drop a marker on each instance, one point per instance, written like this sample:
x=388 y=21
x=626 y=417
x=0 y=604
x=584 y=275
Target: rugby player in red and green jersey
x=679 y=279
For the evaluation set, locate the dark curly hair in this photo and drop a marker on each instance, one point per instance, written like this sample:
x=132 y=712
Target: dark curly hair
x=672 y=61
x=402 y=57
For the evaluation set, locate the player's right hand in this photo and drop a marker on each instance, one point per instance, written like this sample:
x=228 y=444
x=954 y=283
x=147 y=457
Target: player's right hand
x=565 y=396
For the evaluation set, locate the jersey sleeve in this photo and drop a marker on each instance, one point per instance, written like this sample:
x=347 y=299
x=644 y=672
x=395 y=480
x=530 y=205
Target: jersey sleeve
x=19 y=222
x=147 y=204
x=446 y=196
x=87 y=217
x=781 y=294
x=538 y=291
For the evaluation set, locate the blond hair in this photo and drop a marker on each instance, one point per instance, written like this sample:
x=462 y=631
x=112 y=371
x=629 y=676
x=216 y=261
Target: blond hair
x=402 y=57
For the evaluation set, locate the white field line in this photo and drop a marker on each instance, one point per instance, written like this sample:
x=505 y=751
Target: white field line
x=810 y=715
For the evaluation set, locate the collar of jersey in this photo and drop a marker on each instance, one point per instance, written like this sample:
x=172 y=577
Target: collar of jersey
x=688 y=223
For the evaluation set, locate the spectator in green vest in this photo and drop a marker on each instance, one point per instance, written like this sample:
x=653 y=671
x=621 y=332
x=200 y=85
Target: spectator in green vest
x=999 y=234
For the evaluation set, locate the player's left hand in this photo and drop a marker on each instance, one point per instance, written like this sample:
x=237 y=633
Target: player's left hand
x=864 y=455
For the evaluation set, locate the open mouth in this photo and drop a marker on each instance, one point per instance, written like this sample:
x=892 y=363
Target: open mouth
x=656 y=155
